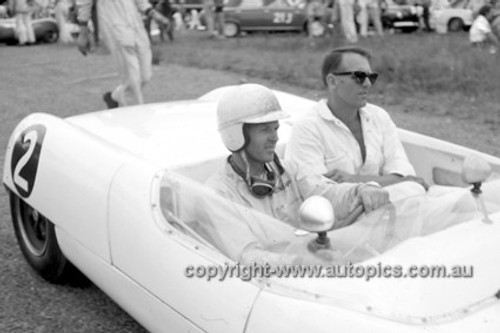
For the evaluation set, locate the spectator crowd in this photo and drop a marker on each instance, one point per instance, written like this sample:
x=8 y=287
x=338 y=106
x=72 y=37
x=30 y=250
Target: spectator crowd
x=353 y=18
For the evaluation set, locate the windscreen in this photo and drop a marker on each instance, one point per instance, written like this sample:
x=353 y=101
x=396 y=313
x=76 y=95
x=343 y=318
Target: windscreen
x=247 y=236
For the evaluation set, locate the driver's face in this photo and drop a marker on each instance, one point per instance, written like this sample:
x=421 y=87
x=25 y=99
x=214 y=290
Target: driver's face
x=263 y=139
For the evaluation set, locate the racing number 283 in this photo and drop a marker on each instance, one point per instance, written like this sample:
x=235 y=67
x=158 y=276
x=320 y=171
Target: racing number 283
x=25 y=156
x=282 y=18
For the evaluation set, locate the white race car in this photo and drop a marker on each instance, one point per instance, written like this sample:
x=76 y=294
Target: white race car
x=119 y=194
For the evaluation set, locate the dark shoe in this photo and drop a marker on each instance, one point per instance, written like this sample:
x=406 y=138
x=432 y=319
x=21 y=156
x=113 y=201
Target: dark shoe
x=110 y=102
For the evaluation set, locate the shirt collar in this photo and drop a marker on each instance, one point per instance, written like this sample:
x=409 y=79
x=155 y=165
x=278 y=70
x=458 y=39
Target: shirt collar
x=325 y=113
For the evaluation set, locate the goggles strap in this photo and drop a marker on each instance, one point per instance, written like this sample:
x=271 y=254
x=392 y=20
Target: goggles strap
x=243 y=155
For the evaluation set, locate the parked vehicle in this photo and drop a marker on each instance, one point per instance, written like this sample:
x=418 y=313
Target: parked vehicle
x=451 y=19
x=120 y=195
x=45 y=29
x=256 y=15
x=404 y=17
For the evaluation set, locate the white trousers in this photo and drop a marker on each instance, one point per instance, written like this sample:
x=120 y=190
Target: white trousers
x=134 y=68
x=347 y=20
x=369 y=9
x=24 y=29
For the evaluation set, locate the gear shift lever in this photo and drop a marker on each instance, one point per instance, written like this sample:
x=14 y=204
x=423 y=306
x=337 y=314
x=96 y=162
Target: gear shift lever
x=316 y=215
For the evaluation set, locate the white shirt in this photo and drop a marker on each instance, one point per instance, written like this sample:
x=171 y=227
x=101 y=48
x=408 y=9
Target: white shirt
x=479 y=29
x=321 y=142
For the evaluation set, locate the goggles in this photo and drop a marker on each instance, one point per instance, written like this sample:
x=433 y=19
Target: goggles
x=360 y=76
x=259 y=187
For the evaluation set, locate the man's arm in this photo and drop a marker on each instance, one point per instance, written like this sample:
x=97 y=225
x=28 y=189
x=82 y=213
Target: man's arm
x=340 y=176
x=397 y=168
x=345 y=198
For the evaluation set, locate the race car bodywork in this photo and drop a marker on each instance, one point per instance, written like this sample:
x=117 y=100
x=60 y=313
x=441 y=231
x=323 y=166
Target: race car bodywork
x=120 y=194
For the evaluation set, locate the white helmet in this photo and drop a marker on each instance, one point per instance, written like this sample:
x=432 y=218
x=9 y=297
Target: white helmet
x=245 y=104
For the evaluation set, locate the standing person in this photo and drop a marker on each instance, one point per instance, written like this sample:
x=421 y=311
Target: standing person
x=62 y=13
x=426 y=14
x=480 y=33
x=123 y=29
x=315 y=17
x=209 y=16
x=219 y=18
x=248 y=120
x=22 y=10
x=345 y=138
x=346 y=8
x=369 y=9
x=164 y=8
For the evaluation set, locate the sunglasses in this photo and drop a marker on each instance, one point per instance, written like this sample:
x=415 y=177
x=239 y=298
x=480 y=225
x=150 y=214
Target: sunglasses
x=360 y=76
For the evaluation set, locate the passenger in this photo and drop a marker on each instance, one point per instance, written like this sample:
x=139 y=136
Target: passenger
x=254 y=175
x=345 y=138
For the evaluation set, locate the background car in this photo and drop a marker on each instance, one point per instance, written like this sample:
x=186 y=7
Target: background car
x=46 y=30
x=451 y=19
x=264 y=15
x=401 y=16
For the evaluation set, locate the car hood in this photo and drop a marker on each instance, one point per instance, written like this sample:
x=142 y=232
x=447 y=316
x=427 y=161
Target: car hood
x=166 y=133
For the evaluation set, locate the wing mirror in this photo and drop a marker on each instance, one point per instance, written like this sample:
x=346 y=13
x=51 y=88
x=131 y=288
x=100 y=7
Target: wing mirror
x=475 y=171
x=316 y=215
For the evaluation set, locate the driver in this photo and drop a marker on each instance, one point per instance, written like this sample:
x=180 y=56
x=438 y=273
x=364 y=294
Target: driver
x=253 y=174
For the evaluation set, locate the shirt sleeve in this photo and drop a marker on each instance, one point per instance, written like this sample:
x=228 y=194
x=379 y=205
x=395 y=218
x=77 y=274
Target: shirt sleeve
x=395 y=158
x=84 y=9
x=304 y=147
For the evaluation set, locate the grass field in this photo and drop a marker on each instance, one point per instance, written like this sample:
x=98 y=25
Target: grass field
x=424 y=73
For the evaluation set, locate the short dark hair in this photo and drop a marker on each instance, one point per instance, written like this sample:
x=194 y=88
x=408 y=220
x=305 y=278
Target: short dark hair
x=332 y=61
x=484 y=10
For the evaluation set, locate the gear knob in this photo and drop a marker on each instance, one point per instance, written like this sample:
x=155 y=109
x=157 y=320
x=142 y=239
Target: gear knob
x=317 y=215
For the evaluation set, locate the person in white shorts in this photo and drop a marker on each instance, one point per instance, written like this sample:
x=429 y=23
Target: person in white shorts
x=123 y=30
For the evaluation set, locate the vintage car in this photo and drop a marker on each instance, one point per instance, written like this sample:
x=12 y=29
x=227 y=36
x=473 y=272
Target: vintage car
x=259 y=15
x=401 y=16
x=120 y=195
x=46 y=30
x=451 y=19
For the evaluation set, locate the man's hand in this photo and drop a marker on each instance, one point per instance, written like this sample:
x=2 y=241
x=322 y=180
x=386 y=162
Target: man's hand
x=372 y=197
x=339 y=176
x=83 y=41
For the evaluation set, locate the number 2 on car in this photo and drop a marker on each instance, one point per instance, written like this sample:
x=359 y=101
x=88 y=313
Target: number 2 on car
x=25 y=157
